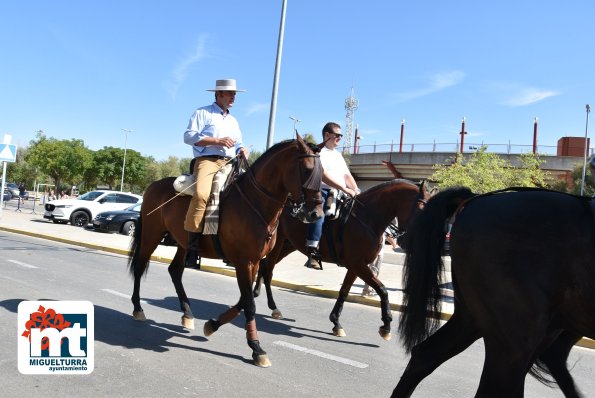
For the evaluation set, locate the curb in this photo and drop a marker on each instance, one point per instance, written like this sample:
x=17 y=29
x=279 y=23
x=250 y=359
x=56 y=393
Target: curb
x=317 y=291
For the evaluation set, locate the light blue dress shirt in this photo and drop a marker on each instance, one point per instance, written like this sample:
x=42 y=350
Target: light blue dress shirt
x=211 y=121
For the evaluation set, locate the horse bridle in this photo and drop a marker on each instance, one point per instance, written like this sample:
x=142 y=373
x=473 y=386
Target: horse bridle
x=313 y=183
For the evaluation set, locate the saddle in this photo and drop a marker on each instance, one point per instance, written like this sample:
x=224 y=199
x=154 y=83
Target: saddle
x=222 y=179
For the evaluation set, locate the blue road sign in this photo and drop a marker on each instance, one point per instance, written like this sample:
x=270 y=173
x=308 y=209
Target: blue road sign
x=8 y=153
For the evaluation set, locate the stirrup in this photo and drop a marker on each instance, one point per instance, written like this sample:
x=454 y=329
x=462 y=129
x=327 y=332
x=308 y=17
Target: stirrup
x=314 y=259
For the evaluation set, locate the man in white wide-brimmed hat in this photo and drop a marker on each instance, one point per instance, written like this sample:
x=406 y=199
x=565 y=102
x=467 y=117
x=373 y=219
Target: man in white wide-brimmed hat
x=215 y=137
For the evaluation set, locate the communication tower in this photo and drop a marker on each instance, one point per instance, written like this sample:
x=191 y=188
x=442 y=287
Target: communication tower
x=351 y=104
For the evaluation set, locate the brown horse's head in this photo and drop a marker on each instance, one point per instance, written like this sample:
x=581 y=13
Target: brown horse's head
x=304 y=183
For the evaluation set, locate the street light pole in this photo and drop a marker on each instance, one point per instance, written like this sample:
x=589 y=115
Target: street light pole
x=585 y=159
x=276 y=79
x=295 y=121
x=124 y=162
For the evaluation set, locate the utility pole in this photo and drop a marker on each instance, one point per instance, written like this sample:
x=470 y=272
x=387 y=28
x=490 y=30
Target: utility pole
x=276 y=79
x=124 y=161
x=586 y=147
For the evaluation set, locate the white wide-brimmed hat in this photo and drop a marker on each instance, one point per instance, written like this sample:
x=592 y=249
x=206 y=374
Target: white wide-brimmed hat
x=226 y=85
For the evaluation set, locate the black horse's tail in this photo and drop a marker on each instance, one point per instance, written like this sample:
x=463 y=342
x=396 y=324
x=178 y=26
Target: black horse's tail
x=134 y=265
x=423 y=266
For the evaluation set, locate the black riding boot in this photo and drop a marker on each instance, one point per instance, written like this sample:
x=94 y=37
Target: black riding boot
x=192 y=250
x=314 y=258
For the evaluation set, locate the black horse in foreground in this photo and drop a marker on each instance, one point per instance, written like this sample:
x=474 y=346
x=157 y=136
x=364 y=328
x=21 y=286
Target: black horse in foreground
x=523 y=270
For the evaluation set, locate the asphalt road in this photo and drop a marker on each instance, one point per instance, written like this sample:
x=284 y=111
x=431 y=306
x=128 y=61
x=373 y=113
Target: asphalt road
x=159 y=358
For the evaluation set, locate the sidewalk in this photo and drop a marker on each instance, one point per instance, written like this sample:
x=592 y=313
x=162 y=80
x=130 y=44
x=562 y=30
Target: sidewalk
x=290 y=273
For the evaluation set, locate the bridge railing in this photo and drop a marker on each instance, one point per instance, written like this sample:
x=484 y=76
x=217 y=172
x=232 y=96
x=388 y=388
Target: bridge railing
x=455 y=147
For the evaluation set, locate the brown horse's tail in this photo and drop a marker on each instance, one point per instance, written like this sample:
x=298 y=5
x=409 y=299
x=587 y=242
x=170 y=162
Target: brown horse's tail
x=134 y=264
x=423 y=267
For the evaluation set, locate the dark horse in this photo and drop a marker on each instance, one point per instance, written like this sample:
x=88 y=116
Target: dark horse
x=523 y=271
x=352 y=241
x=249 y=216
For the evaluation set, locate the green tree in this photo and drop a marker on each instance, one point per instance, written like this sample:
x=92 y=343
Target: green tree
x=171 y=167
x=528 y=174
x=61 y=160
x=484 y=172
x=308 y=137
x=577 y=178
x=108 y=166
x=253 y=156
x=21 y=171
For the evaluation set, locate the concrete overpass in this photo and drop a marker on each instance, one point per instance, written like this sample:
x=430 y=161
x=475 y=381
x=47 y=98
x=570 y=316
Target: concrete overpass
x=369 y=169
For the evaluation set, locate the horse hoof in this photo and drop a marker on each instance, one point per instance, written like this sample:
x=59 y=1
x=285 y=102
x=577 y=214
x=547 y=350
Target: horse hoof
x=386 y=335
x=262 y=361
x=139 y=316
x=208 y=329
x=277 y=314
x=188 y=323
x=339 y=332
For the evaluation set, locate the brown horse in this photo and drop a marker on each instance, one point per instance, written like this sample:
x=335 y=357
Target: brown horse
x=352 y=241
x=249 y=216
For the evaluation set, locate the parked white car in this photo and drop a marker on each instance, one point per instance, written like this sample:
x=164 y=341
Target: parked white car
x=80 y=211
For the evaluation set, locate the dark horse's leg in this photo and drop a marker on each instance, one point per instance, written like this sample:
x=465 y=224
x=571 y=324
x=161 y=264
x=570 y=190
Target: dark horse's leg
x=143 y=244
x=509 y=357
x=451 y=339
x=244 y=277
x=176 y=270
x=367 y=276
x=265 y=273
x=555 y=358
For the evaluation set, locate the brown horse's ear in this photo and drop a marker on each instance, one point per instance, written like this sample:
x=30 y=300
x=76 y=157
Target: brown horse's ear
x=422 y=187
x=301 y=143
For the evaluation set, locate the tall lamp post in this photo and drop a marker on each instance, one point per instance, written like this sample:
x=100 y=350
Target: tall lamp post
x=276 y=79
x=126 y=131
x=295 y=121
x=585 y=159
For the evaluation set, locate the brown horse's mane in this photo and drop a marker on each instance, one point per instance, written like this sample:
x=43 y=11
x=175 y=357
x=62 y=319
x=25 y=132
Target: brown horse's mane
x=372 y=192
x=265 y=155
x=278 y=146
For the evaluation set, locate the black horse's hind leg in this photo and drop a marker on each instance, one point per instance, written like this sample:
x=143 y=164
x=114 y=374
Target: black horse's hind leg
x=176 y=270
x=451 y=339
x=509 y=357
x=555 y=358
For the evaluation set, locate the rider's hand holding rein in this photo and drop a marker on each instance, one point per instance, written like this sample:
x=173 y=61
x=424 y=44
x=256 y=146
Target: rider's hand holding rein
x=243 y=153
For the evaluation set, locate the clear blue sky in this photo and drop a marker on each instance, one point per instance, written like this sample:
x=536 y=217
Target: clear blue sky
x=87 y=69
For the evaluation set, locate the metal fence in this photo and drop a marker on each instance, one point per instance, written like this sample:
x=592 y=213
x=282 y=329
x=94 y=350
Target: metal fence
x=455 y=147
x=33 y=205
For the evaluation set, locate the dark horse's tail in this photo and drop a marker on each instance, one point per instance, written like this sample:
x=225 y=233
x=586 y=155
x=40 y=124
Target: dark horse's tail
x=423 y=266
x=134 y=251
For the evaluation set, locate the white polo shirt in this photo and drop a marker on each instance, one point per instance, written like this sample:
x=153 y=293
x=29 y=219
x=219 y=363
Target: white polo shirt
x=333 y=163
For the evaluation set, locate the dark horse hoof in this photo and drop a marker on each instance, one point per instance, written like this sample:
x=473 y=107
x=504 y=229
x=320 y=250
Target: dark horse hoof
x=211 y=326
x=384 y=333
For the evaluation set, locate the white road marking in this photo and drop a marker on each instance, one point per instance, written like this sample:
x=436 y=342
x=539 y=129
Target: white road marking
x=115 y=293
x=324 y=355
x=22 y=264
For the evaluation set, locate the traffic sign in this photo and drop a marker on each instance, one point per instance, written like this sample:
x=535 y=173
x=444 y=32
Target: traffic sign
x=8 y=153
